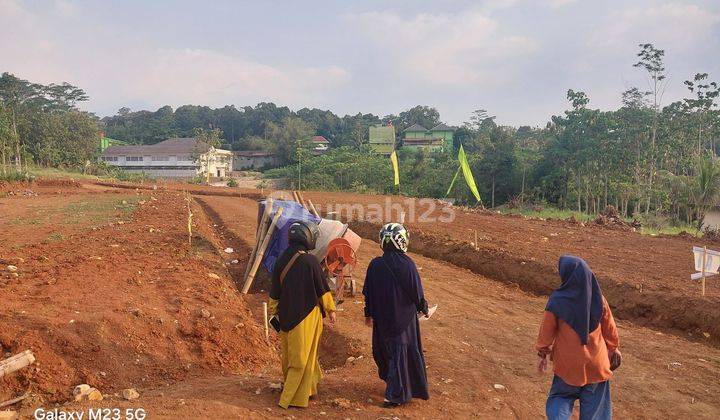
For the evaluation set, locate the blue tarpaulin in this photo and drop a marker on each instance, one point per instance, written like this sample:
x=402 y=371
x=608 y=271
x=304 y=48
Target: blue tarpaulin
x=292 y=212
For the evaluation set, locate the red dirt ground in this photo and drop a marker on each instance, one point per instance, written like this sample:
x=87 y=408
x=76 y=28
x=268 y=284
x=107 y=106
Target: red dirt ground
x=483 y=335
x=129 y=297
x=646 y=279
x=119 y=304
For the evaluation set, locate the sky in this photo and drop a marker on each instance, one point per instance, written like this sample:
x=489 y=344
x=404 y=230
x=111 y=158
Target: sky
x=514 y=58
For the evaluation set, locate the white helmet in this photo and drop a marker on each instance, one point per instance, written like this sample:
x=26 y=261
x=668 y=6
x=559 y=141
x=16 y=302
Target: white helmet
x=394 y=236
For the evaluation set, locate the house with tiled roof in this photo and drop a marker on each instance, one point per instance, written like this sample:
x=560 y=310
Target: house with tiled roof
x=244 y=160
x=438 y=138
x=320 y=145
x=171 y=158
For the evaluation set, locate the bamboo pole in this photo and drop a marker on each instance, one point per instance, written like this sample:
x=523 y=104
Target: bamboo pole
x=261 y=252
x=190 y=218
x=295 y=196
x=15 y=357
x=312 y=208
x=16 y=362
x=302 y=200
x=13 y=401
x=704 y=261
x=265 y=318
x=259 y=234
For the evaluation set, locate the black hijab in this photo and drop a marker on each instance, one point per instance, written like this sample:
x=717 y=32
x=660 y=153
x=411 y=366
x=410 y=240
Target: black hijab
x=301 y=289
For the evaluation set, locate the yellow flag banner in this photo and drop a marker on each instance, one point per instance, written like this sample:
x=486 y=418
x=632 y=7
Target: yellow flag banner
x=465 y=166
x=394 y=160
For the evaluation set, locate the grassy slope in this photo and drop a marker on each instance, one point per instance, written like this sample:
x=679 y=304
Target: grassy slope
x=555 y=213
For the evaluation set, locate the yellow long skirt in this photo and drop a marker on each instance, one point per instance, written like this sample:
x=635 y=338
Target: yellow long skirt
x=301 y=368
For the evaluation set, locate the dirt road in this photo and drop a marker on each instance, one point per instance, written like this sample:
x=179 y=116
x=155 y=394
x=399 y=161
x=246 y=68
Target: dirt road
x=645 y=278
x=483 y=335
x=117 y=302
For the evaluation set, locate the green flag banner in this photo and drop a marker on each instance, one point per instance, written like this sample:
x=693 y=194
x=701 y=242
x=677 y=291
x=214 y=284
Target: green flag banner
x=465 y=166
x=453 y=182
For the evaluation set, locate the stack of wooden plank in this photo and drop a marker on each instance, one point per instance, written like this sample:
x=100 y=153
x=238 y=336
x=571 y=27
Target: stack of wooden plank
x=263 y=235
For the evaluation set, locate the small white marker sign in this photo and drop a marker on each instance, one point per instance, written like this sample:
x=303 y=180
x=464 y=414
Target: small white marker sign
x=712 y=262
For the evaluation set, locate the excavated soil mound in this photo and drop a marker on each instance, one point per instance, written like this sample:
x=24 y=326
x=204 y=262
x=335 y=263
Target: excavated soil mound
x=65 y=183
x=610 y=217
x=681 y=314
x=127 y=304
x=38 y=186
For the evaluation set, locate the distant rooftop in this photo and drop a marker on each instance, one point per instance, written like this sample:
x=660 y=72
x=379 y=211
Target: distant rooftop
x=173 y=146
x=253 y=153
x=416 y=127
x=320 y=140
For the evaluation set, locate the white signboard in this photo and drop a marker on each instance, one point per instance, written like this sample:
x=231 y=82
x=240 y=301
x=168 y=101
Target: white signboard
x=712 y=262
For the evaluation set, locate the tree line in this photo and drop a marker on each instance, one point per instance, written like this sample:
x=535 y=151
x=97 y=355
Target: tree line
x=645 y=158
x=41 y=124
x=264 y=126
x=648 y=159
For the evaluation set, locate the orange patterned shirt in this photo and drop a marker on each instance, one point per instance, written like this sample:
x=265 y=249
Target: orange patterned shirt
x=574 y=363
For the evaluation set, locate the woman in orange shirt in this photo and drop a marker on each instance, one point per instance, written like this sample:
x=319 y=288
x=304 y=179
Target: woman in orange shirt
x=579 y=333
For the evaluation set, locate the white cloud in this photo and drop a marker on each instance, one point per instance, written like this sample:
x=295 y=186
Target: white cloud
x=674 y=26
x=559 y=3
x=178 y=76
x=449 y=49
x=116 y=69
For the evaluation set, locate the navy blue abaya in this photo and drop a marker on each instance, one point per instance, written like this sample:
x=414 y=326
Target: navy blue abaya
x=393 y=297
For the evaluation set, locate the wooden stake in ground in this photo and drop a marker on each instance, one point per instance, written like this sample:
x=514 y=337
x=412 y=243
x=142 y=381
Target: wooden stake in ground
x=402 y=217
x=190 y=217
x=261 y=252
x=312 y=208
x=259 y=234
x=265 y=318
x=16 y=362
x=476 y=242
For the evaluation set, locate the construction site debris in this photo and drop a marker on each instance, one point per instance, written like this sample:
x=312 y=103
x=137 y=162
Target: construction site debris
x=611 y=217
x=85 y=392
x=17 y=362
x=341 y=403
x=130 y=394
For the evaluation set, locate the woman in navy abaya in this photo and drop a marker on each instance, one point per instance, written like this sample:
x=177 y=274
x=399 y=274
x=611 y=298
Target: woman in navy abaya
x=393 y=298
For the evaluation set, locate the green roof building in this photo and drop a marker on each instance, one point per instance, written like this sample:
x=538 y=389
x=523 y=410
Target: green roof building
x=382 y=139
x=438 y=138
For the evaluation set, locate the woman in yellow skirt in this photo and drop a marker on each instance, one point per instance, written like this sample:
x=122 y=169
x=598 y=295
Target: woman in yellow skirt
x=300 y=297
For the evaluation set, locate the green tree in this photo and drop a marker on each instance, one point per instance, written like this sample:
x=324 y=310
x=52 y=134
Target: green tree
x=652 y=61
x=705 y=187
